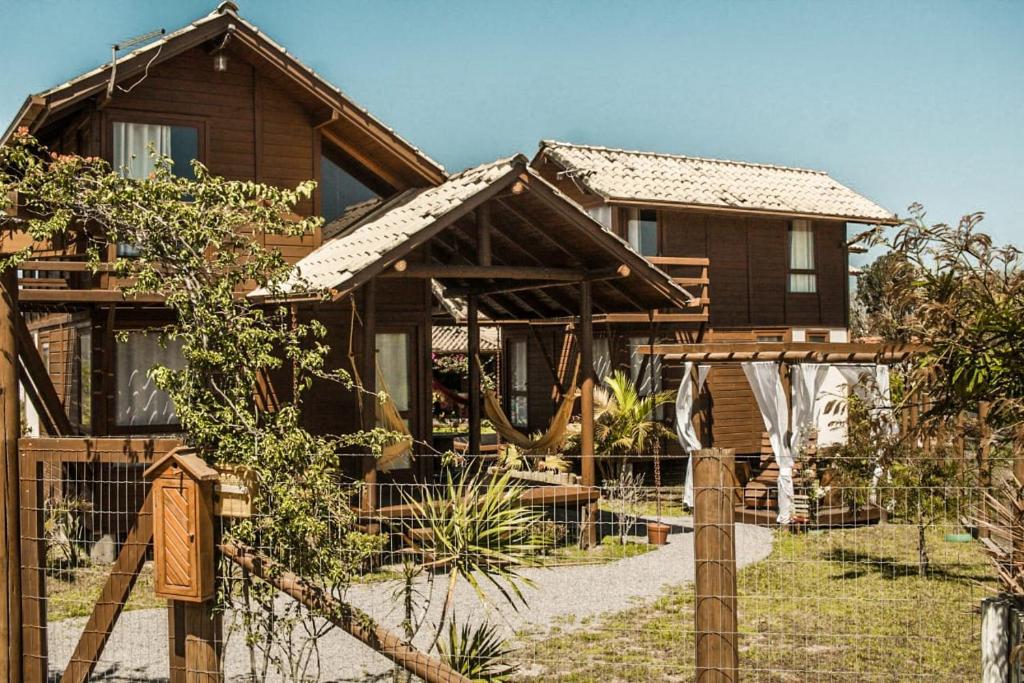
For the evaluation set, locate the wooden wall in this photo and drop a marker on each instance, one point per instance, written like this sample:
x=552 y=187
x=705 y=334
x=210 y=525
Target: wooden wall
x=749 y=268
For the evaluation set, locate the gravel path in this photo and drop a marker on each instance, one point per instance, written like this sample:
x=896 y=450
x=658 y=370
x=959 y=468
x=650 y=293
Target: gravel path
x=565 y=596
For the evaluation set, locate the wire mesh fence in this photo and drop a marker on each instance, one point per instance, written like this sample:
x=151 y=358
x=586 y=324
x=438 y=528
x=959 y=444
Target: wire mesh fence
x=520 y=576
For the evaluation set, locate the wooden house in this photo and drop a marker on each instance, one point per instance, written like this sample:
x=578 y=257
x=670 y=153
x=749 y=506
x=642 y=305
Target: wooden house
x=764 y=248
x=400 y=232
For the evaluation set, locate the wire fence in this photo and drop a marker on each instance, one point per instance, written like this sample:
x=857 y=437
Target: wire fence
x=873 y=581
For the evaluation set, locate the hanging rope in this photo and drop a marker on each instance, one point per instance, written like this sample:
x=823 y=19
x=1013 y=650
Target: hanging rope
x=386 y=412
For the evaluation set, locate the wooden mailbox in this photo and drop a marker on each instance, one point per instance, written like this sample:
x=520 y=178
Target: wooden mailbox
x=182 y=492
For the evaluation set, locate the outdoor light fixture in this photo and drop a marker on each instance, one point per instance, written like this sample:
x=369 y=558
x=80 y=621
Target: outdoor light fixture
x=220 y=61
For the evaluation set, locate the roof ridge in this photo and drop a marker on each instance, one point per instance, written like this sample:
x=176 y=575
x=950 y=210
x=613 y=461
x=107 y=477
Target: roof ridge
x=685 y=157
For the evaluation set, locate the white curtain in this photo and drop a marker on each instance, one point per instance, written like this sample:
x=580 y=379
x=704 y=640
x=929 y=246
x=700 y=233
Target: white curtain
x=602 y=214
x=132 y=157
x=688 y=438
x=771 y=400
x=801 y=257
x=139 y=401
x=807 y=380
x=871 y=384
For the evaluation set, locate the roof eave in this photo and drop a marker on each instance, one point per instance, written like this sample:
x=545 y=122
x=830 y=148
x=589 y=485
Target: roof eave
x=691 y=206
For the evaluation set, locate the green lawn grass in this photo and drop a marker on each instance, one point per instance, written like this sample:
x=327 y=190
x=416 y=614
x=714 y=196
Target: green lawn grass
x=74 y=593
x=838 y=606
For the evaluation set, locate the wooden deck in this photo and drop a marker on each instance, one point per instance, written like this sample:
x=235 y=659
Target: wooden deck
x=828 y=518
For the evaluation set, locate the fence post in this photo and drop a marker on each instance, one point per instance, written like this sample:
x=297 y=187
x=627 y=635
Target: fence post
x=984 y=467
x=10 y=486
x=714 y=547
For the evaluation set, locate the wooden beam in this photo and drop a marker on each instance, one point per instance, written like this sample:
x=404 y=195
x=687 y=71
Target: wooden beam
x=473 y=323
x=112 y=598
x=587 y=458
x=439 y=271
x=483 y=240
x=67 y=266
x=42 y=389
x=10 y=510
x=789 y=347
x=353 y=621
x=86 y=296
x=368 y=370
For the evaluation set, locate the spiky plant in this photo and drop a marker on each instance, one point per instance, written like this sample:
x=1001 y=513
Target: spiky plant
x=479 y=531
x=478 y=653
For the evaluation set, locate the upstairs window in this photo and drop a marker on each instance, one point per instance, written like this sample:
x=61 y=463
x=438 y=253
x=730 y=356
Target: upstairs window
x=138 y=401
x=132 y=141
x=339 y=189
x=802 y=276
x=642 y=231
x=133 y=157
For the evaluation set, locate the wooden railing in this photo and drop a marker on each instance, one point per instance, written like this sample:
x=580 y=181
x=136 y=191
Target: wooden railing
x=691 y=273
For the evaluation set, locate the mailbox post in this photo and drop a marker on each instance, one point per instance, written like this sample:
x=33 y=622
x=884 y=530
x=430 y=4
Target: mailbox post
x=185 y=563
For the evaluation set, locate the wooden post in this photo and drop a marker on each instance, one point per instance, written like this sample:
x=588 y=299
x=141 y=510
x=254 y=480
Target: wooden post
x=369 y=372
x=714 y=547
x=984 y=469
x=10 y=511
x=196 y=629
x=196 y=646
x=587 y=464
x=473 y=321
x=483 y=244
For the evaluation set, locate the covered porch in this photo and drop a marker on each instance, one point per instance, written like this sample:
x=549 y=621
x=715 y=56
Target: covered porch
x=507 y=244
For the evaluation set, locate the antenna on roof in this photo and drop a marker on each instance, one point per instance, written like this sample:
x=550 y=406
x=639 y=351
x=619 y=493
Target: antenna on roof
x=125 y=45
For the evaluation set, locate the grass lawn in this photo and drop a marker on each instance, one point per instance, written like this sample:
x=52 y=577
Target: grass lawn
x=845 y=605
x=74 y=594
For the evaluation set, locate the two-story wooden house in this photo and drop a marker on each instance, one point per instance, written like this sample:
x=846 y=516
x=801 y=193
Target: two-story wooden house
x=764 y=247
x=398 y=229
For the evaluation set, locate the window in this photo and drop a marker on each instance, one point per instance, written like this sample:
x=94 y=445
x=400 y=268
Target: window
x=339 y=190
x=602 y=359
x=138 y=401
x=802 y=279
x=393 y=361
x=602 y=214
x=645 y=370
x=518 y=402
x=132 y=142
x=643 y=231
x=83 y=356
x=769 y=338
x=817 y=337
x=133 y=157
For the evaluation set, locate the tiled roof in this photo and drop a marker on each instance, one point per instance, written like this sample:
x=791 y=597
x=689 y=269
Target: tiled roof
x=617 y=174
x=455 y=339
x=365 y=242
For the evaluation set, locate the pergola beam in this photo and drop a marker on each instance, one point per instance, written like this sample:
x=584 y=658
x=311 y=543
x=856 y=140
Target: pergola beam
x=794 y=352
x=440 y=271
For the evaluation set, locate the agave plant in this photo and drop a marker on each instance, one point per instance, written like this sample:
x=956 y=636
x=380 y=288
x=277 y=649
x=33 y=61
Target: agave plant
x=624 y=422
x=478 y=653
x=479 y=532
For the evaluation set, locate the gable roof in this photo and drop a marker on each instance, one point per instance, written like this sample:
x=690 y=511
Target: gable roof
x=391 y=230
x=41 y=107
x=455 y=339
x=620 y=175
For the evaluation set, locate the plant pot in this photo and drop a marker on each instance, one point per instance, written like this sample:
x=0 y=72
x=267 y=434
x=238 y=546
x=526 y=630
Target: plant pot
x=657 y=533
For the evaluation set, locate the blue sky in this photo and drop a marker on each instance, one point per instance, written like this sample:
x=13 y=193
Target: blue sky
x=908 y=101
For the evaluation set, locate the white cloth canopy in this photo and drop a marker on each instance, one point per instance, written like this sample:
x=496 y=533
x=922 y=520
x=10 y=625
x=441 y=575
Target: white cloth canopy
x=766 y=384
x=688 y=438
x=871 y=383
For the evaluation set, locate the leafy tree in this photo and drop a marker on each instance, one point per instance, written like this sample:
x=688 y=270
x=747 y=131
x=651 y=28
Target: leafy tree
x=965 y=303
x=199 y=245
x=886 y=296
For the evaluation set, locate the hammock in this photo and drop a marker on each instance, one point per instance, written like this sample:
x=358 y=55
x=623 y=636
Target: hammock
x=551 y=439
x=396 y=455
x=453 y=396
